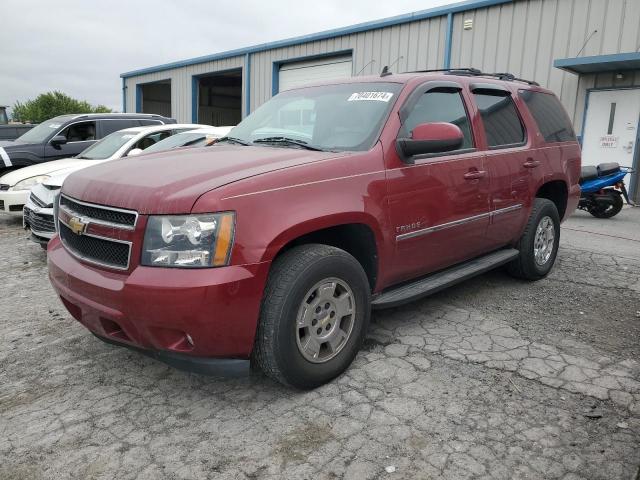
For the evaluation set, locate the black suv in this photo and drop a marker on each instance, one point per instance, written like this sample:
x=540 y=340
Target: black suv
x=68 y=135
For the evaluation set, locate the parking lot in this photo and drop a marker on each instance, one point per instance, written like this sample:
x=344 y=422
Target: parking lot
x=495 y=378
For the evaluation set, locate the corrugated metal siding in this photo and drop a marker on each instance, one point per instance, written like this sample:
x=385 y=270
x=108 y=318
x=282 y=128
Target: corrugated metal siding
x=420 y=44
x=525 y=37
x=181 y=84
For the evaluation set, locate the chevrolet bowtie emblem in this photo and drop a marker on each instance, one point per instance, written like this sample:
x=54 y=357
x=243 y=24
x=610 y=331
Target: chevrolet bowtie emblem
x=77 y=225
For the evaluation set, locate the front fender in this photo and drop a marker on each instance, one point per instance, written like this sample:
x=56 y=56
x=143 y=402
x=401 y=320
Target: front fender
x=298 y=230
x=20 y=158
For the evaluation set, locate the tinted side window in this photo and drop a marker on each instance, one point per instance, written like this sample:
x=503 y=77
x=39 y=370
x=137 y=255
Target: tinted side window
x=549 y=116
x=437 y=106
x=80 y=132
x=110 y=126
x=151 y=139
x=502 y=124
x=144 y=123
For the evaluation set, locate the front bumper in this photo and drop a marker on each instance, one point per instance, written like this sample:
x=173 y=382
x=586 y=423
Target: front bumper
x=191 y=319
x=40 y=221
x=12 y=202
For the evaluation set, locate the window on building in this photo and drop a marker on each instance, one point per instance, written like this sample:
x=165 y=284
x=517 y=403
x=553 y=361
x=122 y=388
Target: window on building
x=553 y=122
x=440 y=106
x=502 y=124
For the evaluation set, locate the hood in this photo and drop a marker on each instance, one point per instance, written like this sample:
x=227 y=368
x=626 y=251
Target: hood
x=170 y=182
x=10 y=145
x=57 y=178
x=46 y=168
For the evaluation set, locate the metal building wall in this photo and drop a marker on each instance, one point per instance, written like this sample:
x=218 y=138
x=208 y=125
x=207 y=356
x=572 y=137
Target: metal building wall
x=181 y=85
x=420 y=43
x=526 y=36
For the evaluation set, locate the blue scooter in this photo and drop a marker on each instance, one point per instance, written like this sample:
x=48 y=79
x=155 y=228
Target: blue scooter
x=603 y=189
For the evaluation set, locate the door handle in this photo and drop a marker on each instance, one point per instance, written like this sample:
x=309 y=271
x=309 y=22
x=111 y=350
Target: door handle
x=475 y=174
x=531 y=163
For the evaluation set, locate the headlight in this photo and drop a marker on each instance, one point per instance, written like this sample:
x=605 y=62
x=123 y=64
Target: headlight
x=27 y=183
x=188 y=241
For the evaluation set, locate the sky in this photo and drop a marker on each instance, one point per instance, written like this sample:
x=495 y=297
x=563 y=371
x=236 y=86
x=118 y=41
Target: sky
x=81 y=47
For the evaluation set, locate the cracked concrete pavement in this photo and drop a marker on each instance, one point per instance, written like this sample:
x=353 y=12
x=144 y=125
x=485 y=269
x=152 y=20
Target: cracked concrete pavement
x=494 y=378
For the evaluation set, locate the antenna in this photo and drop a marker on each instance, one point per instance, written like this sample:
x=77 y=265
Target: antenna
x=586 y=41
x=387 y=69
x=362 y=69
x=396 y=61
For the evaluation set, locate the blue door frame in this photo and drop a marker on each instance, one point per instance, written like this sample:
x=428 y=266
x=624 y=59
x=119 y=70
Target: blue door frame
x=195 y=83
x=139 y=95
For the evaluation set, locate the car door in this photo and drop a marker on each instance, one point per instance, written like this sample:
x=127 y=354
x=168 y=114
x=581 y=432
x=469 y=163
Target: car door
x=79 y=135
x=510 y=161
x=438 y=203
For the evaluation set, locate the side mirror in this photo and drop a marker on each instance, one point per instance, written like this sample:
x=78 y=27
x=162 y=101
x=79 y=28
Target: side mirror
x=436 y=137
x=133 y=152
x=58 y=140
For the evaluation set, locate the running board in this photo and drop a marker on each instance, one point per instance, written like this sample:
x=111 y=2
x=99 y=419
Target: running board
x=438 y=281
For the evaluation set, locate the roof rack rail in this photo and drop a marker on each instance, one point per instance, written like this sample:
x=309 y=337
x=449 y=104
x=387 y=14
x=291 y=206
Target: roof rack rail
x=470 y=71
x=510 y=77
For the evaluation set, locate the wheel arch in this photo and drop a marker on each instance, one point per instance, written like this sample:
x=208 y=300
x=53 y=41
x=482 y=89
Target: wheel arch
x=356 y=234
x=556 y=191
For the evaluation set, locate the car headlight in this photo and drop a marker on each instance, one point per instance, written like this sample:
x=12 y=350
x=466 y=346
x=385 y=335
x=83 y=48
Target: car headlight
x=188 y=241
x=27 y=183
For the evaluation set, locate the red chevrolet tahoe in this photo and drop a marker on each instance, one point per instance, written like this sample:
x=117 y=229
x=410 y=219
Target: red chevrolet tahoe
x=273 y=245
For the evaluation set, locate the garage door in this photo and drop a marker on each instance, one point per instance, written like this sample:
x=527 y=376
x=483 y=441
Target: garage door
x=295 y=74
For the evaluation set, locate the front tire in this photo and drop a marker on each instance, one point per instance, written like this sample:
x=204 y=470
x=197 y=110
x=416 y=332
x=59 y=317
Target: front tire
x=610 y=210
x=539 y=243
x=314 y=316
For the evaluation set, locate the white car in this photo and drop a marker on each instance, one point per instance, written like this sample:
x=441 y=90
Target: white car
x=15 y=185
x=191 y=138
x=44 y=180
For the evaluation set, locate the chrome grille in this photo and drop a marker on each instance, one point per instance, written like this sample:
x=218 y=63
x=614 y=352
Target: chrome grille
x=91 y=247
x=102 y=251
x=38 y=222
x=100 y=214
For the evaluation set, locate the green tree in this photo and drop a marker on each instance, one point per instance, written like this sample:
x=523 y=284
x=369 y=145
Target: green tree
x=52 y=104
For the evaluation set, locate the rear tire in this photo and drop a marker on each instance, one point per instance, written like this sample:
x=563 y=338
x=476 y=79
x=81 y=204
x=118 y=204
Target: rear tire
x=314 y=316
x=610 y=210
x=538 y=245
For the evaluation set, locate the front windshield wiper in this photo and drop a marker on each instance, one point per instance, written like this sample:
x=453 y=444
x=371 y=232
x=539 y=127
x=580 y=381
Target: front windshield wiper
x=233 y=140
x=289 y=141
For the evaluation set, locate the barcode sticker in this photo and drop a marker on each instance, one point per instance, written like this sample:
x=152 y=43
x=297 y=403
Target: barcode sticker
x=371 y=96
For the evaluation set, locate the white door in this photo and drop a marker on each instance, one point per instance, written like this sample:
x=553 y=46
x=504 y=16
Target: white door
x=296 y=74
x=610 y=132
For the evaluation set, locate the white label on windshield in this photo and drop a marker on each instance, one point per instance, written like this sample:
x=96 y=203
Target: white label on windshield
x=372 y=96
x=54 y=125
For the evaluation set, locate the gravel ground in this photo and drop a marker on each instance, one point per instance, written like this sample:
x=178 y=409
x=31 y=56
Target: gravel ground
x=494 y=378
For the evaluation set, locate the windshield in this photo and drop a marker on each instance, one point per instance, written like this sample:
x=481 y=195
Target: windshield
x=40 y=133
x=330 y=117
x=178 y=140
x=107 y=146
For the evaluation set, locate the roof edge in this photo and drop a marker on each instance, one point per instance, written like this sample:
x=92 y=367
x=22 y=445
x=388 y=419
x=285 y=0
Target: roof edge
x=573 y=64
x=357 y=28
